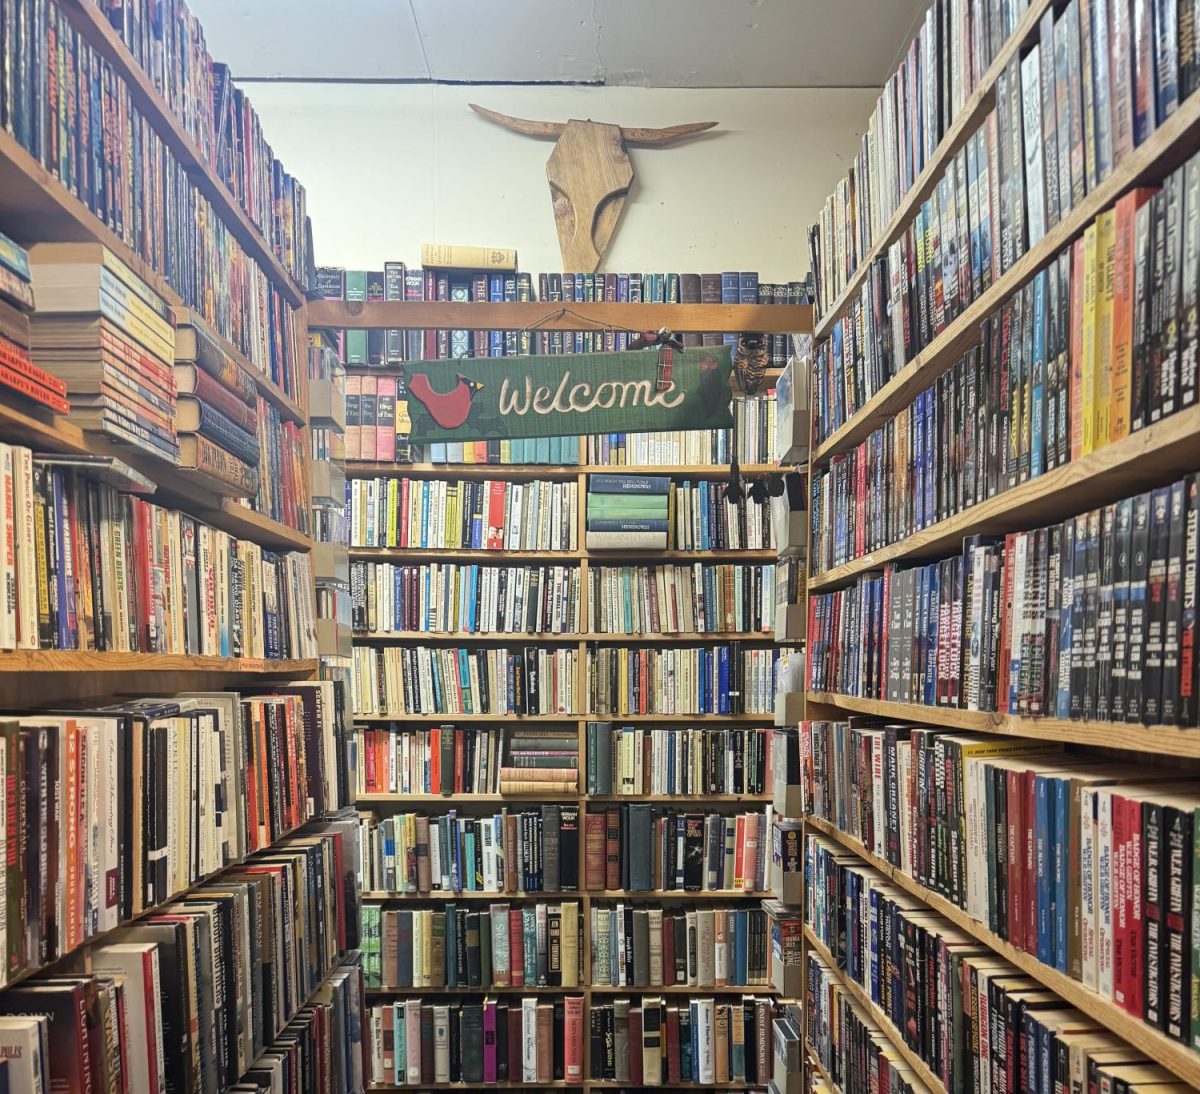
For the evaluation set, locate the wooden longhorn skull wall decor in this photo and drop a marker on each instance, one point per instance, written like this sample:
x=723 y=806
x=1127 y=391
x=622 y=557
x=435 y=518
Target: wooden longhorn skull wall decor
x=590 y=174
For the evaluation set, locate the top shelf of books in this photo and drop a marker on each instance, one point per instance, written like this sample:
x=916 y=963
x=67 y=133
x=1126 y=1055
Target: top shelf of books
x=180 y=112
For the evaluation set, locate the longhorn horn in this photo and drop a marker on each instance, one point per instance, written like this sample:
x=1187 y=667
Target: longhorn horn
x=635 y=135
x=527 y=126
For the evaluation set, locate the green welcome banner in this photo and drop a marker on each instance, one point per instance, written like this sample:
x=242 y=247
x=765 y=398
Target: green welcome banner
x=483 y=398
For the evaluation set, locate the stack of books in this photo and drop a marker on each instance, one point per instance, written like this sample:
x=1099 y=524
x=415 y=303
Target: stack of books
x=216 y=417
x=111 y=339
x=628 y=511
x=17 y=372
x=541 y=761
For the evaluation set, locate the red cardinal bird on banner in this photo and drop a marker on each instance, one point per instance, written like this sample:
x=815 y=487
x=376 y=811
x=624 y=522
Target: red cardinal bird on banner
x=449 y=409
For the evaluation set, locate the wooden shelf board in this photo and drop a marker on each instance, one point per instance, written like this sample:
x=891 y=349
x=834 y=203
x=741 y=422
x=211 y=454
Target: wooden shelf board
x=474 y=1088
x=545 y=315
x=526 y=989
x=25 y=422
x=654 y=639
x=626 y=895
x=967 y=121
x=271 y=391
x=1150 y=457
x=245 y=523
x=611 y=1084
x=93 y=661
x=919 y=1067
x=443 y=896
x=1163 y=151
x=465 y=799
x=684 y=989
x=682 y=799
x=359 y=469
x=460 y=554
x=1176 y=1057
x=814 y=1063
x=721 y=719
x=1164 y=740
x=89 y=20
x=365 y=469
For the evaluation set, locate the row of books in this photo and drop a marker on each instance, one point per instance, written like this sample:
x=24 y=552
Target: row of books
x=449 y=760
x=396 y=282
x=630 y=761
x=656 y=1042
x=692 y=447
x=77 y=117
x=91 y=568
x=424 y=680
x=452 y=598
x=322 y=1046
x=847 y=1042
x=1098 y=345
x=640 y=848
x=473 y=948
x=1084 y=620
x=1104 y=894
x=704 y=519
x=709 y=948
x=492 y=515
x=168 y=43
x=530 y=1040
x=953 y=49
x=723 y=679
x=684 y=599
x=942 y=993
x=532 y=851
x=1095 y=85
x=233 y=774
x=628 y=511
x=189 y=997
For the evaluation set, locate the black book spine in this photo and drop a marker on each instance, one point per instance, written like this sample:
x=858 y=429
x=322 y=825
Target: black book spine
x=1139 y=560
x=1143 y=262
x=1173 y=607
x=1156 y=591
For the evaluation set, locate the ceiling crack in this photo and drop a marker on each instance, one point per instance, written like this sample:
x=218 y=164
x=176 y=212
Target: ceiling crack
x=420 y=39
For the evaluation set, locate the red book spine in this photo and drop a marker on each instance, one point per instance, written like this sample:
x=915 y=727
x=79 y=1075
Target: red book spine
x=612 y=849
x=635 y=1046
x=1135 y=986
x=435 y=760
x=516 y=952
x=1006 y=616
x=18 y=360
x=458 y=763
x=1028 y=819
x=1016 y=902
x=573 y=1038
x=671 y=1047
x=21 y=383
x=1120 y=909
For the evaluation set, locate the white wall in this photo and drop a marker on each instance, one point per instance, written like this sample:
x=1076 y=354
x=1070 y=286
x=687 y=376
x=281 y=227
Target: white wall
x=391 y=166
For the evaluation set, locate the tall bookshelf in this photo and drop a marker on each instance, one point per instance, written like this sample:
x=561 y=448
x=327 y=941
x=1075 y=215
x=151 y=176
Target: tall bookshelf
x=1142 y=460
x=337 y=314
x=36 y=206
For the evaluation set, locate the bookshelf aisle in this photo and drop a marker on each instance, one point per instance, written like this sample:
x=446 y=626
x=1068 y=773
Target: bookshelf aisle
x=172 y=791
x=572 y=863
x=1003 y=564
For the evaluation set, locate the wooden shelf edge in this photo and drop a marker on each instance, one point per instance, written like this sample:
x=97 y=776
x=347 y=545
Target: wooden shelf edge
x=1172 y=1055
x=596 y=637
x=973 y=111
x=546 y=315
x=245 y=523
x=358 y=469
x=1138 y=461
x=45 y=661
x=1130 y=737
x=919 y=1067
x=482 y=554
x=1164 y=150
x=89 y=20
x=765 y=718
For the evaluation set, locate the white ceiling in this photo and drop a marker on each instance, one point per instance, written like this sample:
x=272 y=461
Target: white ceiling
x=642 y=43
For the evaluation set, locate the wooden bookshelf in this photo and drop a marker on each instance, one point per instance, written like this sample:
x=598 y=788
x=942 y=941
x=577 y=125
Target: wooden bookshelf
x=93 y=661
x=1147 y=458
x=615 y=639
x=969 y=118
x=89 y=20
x=363 y=469
x=548 y=315
x=919 y=1067
x=1130 y=736
x=480 y=555
x=1177 y=1058
x=1163 y=151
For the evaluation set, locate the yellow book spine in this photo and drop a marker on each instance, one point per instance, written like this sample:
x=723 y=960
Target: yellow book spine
x=452 y=256
x=1087 y=409
x=394 y=515
x=1106 y=238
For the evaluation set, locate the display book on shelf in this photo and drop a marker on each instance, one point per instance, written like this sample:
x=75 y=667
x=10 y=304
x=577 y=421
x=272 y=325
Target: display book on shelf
x=409 y=939
x=1103 y=412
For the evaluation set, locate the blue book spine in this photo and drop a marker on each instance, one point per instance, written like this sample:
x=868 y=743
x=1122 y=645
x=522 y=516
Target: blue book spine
x=1166 y=57
x=931 y=634
x=400 y=1039
x=730 y=291
x=742 y=927
x=1042 y=835
x=1037 y=407
x=929 y=456
x=397 y=599
x=452 y=925
x=496 y=295
x=1058 y=856
x=469 y=860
